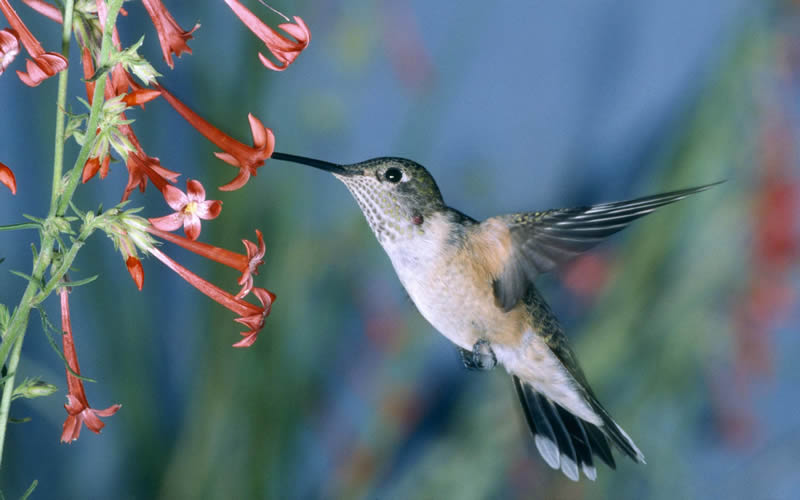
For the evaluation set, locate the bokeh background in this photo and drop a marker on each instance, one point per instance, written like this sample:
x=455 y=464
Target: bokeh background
x=686 y=323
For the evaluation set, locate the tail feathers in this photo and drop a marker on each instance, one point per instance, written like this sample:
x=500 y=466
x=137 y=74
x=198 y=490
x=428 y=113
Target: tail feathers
x=568 y=442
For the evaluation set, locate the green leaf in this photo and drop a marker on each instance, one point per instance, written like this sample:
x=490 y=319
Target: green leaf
x=16 y=227
x=84 y=281
x=26 y=277
x=28 y=492
x=48 y=327
x=19 y=420
x=4 y=318
x=34 y=219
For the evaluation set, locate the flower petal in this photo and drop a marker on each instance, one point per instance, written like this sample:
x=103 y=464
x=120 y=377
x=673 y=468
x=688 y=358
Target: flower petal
x=209 y=209
x=175 y=198
x=191 y=226
x=90 y=168
x=7 y=178
x=136 y=271
x=71 y=429
x=9 y=47
x=195 y=191
x=169 y=222
x=239 y=181
x=41 y=68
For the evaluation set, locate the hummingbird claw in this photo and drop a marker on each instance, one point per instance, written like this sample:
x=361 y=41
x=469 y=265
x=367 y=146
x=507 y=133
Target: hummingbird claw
x=481 y=357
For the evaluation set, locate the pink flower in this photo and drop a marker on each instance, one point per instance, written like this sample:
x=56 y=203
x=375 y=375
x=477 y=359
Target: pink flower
x=284 y=49
x=44 y=64
x=172 y=38
x=7 y=178
x=78 y=410
x=9 y=47
x=246 y=158
x=189 y=208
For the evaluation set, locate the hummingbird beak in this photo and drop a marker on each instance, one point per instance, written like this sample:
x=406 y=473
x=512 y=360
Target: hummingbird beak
x=311 y=162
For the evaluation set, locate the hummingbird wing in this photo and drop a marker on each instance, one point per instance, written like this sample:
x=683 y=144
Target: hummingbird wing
x=542 y=241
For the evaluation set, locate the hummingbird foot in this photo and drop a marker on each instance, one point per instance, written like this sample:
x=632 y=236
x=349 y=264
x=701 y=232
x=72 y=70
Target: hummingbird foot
x=481 y=357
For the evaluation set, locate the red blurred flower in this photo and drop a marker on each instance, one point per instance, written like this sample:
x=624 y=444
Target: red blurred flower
x=170 y=35
x=246 y=158
x=9 y=47
x=250 y=316
x=246 y=264
x=7 y=178
x=47 y=10
x=78 y=409
x=284 y=49
x=189 y=208
x=44 y=64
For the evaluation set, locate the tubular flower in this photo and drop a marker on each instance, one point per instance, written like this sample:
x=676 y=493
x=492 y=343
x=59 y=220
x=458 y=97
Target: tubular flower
x=142 y=167
x=44 y=64
x=284 y=49
x=250 y=316
x=7 y=178
x=9 y=47
x=172 y=38
x=78 y=410
x=189 y=208
x=246 y=264
x=246 y=158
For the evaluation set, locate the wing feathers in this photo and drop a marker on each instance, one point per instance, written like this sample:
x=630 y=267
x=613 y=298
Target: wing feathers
x=542 y=241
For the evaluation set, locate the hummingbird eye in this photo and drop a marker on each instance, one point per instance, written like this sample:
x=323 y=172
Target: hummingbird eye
x=393 y=175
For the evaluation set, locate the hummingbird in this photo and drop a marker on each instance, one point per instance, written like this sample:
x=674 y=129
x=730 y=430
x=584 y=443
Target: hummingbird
x=474 y=283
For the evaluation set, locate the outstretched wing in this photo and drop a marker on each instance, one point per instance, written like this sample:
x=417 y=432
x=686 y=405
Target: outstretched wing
x=541 y=241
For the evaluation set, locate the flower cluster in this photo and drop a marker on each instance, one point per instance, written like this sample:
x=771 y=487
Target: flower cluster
x=117 y=81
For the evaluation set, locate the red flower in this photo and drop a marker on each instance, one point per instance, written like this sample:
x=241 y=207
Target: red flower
x=250 y=315
x=284 y=49
x=7 y=178
x=189 y=208
x=255 y=321
x=47 y=10
x=170 y=35
x=246 y=264
x=134 y=266
x=142 y=167
x=78 y=410
x=9 y=47
x=140 y=96
x=246 y=158
x=44 y=64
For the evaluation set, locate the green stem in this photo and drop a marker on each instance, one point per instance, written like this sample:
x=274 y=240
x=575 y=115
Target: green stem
x=61 y=196
x=16 y=332
x=61 y=103
x=97 y=104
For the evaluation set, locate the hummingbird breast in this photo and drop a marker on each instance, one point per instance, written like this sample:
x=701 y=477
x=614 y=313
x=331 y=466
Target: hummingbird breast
x=449 y=279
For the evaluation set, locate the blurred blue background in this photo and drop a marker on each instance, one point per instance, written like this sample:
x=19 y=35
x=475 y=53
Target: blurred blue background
x=686 y=323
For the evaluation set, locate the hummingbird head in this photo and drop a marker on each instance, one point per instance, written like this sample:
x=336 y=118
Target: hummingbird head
x=396 y=195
